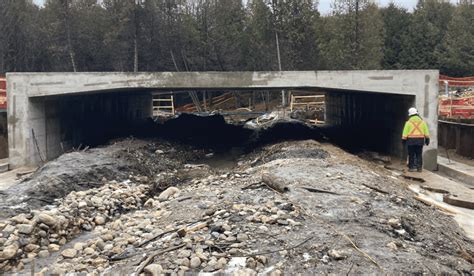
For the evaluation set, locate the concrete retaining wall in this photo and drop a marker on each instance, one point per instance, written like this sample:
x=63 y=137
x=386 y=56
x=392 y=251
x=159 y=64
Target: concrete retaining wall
x=459 y=136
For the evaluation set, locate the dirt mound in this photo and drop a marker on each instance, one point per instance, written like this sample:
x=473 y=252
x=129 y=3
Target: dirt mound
x=82 y=170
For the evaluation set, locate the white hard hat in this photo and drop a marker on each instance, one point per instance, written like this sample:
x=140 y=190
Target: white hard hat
x=412 y=111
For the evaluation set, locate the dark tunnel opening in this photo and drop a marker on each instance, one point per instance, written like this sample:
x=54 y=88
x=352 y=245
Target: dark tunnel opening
x=354 y=120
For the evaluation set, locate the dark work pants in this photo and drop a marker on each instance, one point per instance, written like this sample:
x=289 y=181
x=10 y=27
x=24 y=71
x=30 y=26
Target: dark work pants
x=415 y=159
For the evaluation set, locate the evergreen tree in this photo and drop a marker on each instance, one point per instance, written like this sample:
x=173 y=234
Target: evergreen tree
x=425 y=35
x=353 y=36
x=396 y=22
x=456 y=56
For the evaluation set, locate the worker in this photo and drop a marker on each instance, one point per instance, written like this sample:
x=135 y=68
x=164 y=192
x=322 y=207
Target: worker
x=415 y=135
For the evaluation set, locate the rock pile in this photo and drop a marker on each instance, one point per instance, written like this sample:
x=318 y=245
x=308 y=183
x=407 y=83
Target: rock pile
x=219 y=237
x=40 y=233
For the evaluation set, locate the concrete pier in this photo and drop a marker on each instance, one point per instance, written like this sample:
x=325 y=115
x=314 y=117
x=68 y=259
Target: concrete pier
x=49 y=112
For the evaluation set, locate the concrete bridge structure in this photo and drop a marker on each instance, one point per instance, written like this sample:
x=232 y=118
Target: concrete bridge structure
x=49 y=113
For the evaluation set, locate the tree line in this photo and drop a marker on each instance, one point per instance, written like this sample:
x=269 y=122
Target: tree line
x=229 y=35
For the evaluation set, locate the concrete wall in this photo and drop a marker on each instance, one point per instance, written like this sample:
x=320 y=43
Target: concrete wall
x=459 y=136
x=33 y=104
x=56 y=124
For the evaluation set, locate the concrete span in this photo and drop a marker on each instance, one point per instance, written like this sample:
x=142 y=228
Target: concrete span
x=51 y=112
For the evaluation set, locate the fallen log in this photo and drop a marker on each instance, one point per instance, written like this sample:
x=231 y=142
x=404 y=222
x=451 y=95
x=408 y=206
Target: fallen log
x=275 y=183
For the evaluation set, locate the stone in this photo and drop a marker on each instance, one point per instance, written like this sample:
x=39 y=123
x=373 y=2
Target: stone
x=47 y=219
x=107 y=237
x=9 y=228
x=153 y=269
x=99 y=220
x=261 y=259
x=79 y=246
x=337 y=254
x=116 y=250
x=275 y=272
x=184 y=253
x=221 y=263
x=62 y=241
x=99 y=261
x=150 y=203
x=9 y=252
x=195 y=262
x=53 y=247
x=263 y=228
x=42 y=233
x=69 y=253
x=242 y=237
x=166 y=194
x=244 y=272
x=82 y=204
x=184 y=262
x=392 y=245
x=31 y=247
x=29 y=257
x=25 y=228
x=395 y=223
x=43 y=254
x=251 y=263
x=89 y=251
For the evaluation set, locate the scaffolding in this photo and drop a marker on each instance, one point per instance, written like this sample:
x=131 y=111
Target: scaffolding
x=163 y=105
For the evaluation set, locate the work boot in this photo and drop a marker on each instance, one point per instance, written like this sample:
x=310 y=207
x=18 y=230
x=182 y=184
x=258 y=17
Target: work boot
x=411 y=170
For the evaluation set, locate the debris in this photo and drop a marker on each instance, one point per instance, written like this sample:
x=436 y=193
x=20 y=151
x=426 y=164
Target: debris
x=452 y=200
x=430 y=202
x=413 y=177
x=375 y=189
x=217 y=222
x=151 y=257
x=314 y=190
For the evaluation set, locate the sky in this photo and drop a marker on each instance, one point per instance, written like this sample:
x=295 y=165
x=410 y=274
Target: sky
x=325 y=5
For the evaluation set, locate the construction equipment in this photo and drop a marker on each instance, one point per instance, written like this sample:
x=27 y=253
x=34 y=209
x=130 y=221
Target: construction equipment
x=306 y=101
